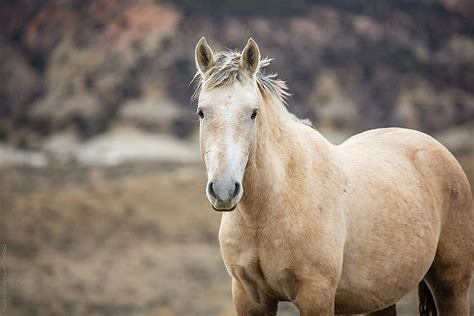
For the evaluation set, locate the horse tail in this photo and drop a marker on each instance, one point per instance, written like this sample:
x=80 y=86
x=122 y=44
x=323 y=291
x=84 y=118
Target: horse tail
x=427 y=303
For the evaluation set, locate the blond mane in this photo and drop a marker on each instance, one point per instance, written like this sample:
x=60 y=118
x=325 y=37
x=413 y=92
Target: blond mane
x=227 y=69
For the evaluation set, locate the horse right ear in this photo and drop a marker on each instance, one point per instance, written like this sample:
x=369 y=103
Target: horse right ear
x=204 y=56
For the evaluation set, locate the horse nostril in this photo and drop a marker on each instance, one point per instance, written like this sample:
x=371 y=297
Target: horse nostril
x=236 y=190
x=223 y=191
x=211 y=190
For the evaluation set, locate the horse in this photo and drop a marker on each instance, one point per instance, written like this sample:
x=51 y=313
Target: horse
x=345 y=229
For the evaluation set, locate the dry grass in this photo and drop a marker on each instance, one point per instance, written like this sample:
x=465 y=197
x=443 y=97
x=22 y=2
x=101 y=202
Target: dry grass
x=102 y=242
x=136 y=240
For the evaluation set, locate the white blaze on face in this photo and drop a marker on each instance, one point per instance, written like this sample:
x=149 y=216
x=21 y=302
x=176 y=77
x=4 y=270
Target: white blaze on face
x=227 y=135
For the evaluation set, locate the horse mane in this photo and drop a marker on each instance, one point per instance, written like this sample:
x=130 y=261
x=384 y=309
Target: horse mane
x=227 y=69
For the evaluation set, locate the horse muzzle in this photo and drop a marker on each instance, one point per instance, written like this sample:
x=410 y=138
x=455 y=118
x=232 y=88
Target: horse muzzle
x=223 y=194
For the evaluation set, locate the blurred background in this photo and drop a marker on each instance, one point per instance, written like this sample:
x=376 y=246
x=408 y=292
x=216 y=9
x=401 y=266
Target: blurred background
x=102 y=204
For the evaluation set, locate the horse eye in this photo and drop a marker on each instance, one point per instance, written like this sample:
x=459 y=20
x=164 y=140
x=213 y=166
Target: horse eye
x=254 y=115
x=200 y=113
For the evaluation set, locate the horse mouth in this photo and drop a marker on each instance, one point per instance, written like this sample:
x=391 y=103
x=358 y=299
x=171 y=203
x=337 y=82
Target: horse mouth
x=224 y=209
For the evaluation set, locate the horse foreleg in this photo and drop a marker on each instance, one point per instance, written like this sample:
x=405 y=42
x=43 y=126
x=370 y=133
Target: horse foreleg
x=247 y=304
x=389 y=311
x=316 y=298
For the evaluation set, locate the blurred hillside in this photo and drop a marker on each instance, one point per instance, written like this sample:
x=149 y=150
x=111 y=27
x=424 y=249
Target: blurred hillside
x=85 y=67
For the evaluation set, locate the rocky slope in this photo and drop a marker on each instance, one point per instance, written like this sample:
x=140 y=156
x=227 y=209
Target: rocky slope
x=74 y=70
x=85 y=66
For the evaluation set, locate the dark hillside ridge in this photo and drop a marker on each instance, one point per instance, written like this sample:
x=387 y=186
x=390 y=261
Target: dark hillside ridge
x=75 y=65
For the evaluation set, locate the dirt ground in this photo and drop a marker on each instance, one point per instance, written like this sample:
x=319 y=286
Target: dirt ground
x=130 y=240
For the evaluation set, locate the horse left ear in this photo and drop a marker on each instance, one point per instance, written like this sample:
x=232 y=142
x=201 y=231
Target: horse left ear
x=250 y=57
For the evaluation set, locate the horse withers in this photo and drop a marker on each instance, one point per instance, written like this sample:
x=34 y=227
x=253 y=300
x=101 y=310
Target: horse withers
x=334 y=229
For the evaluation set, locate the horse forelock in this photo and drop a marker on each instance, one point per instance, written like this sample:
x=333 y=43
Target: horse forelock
x=227 y=69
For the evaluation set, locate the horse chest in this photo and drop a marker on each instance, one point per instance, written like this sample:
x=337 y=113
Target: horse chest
x=259 y=267
x=280 y=284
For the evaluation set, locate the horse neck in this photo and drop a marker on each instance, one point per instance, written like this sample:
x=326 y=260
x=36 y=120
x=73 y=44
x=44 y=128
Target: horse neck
x=267 y=169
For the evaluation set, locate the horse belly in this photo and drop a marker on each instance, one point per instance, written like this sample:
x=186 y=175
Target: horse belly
x=381 y=267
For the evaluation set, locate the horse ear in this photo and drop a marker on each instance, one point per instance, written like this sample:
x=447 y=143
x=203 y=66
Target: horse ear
x=203 y=55
x=250 y=57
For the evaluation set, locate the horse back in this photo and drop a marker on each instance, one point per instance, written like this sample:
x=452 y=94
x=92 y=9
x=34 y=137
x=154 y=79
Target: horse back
x=412 y=155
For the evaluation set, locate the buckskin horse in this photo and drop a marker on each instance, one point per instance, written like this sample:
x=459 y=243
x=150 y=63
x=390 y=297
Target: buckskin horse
x=334 y=229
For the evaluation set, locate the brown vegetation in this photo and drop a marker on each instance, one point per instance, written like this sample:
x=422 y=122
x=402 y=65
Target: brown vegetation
x=115 y=241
